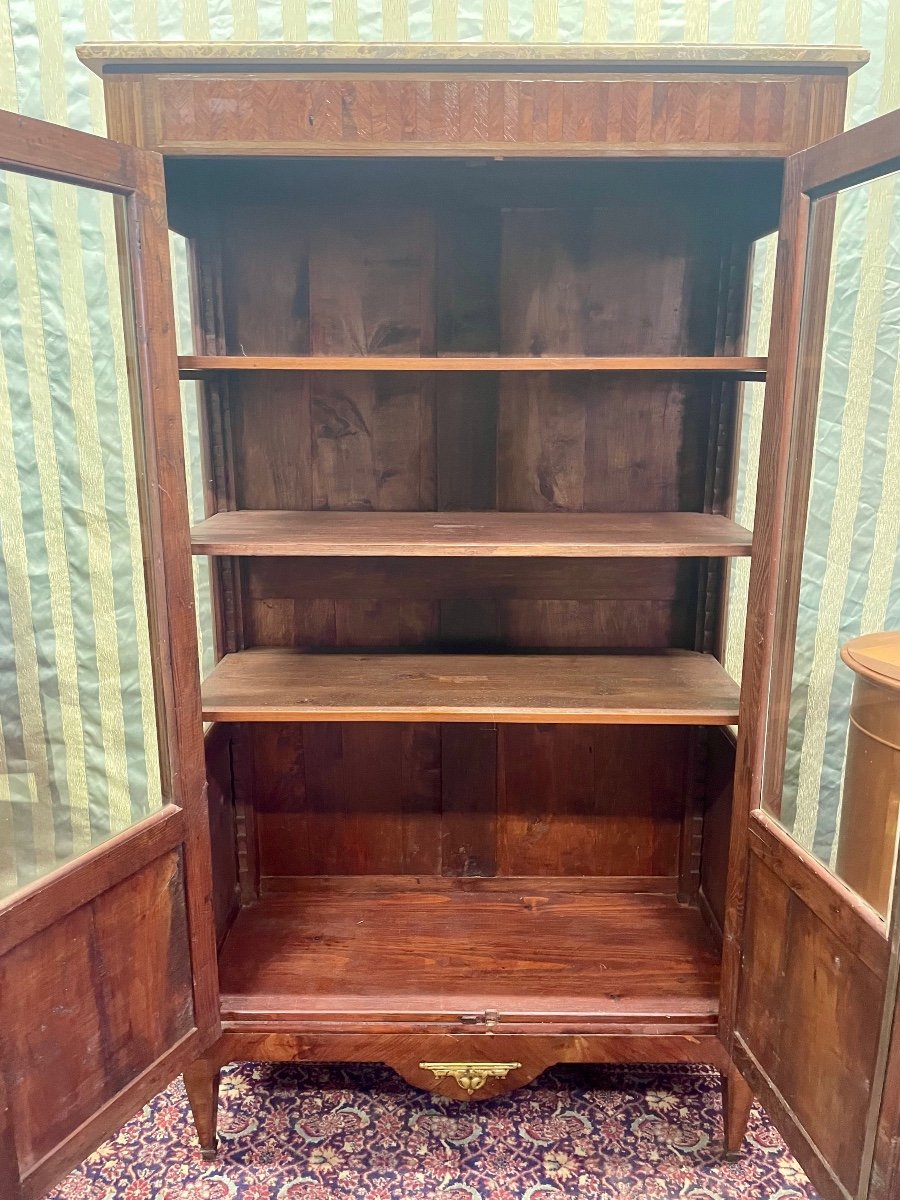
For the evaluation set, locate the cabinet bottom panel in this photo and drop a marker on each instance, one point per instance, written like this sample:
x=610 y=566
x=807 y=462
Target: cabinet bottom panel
x=473 y=955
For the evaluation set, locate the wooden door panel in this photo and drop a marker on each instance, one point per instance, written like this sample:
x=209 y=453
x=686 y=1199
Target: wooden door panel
x=822 y=1038
x=72 y=1043
x=809 y=969
x=108 y=981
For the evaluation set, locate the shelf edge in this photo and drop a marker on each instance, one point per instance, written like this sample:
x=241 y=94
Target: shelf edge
x=744 y=368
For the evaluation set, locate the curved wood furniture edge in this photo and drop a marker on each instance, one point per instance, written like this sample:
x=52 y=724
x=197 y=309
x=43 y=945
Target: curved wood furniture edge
x=876 y=657
x=462 y=1067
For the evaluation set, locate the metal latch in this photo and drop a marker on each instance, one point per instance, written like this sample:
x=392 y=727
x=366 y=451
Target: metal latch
x=489 y=1017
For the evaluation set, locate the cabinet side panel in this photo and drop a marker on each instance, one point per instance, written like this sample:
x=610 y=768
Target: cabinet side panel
x=222 y=827
x=718 y=789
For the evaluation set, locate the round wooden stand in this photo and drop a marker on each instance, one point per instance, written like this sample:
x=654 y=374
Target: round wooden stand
x=867 y=839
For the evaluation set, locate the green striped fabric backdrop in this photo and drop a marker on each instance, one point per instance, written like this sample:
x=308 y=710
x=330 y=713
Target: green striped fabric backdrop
x=78 y=756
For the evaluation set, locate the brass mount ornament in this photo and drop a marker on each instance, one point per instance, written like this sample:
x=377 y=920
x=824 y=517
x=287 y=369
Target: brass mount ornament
x=470 y=1075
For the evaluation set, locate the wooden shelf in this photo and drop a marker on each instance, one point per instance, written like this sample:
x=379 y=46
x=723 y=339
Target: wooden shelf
x=195 y=366
x=371 y=948
x=666 y=688
x=471 y=534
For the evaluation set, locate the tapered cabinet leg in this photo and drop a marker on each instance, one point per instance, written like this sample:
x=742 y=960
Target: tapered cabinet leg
x=737 y=1100
x=201 y=1082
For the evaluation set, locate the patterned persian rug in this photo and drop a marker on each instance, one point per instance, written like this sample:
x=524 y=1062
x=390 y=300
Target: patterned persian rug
x=360 y=1133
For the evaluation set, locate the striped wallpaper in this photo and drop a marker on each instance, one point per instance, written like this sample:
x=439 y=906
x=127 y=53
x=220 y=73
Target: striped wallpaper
x=77 y=740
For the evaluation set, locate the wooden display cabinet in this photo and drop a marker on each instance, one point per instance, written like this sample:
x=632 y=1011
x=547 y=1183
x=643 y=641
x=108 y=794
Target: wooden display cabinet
x=469 y=324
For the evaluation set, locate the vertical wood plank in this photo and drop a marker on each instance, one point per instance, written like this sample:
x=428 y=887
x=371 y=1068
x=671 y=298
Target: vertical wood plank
x=164 y=514
x=469 y=800
x=581 y=800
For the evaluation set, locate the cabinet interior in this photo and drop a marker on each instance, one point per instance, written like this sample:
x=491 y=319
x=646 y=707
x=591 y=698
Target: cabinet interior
x=504 y=852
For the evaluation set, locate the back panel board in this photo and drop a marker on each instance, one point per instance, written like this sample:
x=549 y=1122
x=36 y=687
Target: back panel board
x=372 y=258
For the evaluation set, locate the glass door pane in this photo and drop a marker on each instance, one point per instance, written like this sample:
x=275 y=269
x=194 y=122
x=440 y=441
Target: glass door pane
x=79 y=759
x=849 y=570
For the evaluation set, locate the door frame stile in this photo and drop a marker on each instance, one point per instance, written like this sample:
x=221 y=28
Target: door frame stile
x=158 y=441
x=882 y=1154
x=768 y=529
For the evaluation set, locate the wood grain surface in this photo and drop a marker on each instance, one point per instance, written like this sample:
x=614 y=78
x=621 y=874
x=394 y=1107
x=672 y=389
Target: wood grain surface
x=192 y=366
x=535 y=112
x=402 y=1049
x=601 y=802
x=470 y=534
x=288 y=685
x=73 y=1043
x=431 y=950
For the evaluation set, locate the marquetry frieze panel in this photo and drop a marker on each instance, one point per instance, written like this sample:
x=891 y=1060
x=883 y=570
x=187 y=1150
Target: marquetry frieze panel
x=479 y=113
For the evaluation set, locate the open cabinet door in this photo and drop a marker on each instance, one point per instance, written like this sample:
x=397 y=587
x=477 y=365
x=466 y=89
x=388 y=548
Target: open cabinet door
x=108 y=982
x=810 y=969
